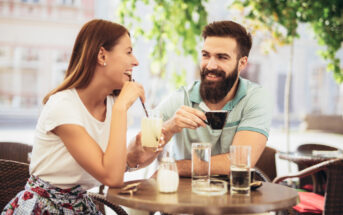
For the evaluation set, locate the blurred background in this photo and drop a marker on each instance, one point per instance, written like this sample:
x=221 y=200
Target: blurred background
x=296 y=55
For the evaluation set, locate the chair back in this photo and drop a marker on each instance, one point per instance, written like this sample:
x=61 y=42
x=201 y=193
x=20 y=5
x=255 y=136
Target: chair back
x=15 y=151
x=307 y=148
x=334 y=185
x=267 y=163
x=334 y=189
x=13 y=177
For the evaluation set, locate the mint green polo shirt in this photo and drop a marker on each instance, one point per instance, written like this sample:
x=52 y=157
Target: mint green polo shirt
x=249 y=110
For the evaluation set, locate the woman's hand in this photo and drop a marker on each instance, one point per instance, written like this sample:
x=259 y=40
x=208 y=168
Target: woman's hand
x=143 y=156
x=129 y=93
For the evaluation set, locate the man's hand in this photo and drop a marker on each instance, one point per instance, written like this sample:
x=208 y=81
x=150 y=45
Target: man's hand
x=184 y=117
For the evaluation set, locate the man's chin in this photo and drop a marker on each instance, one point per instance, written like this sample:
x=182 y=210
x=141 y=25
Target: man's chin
x=211 y=84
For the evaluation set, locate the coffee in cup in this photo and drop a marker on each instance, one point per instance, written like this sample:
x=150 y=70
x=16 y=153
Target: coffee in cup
x=216 y=118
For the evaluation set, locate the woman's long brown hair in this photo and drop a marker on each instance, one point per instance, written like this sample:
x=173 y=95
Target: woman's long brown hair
x=93 y=35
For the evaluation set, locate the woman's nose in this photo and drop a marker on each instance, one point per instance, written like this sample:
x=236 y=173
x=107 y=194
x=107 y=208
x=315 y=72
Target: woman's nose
x=135 y=61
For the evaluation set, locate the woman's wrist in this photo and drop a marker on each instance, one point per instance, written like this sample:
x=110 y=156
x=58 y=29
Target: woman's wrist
x=120 y=106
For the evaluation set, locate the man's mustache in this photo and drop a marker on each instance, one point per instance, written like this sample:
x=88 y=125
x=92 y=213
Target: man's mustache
x=219 y=73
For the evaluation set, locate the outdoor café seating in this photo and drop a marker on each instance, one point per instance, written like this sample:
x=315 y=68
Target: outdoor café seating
x=14 y=172
x=266 y=165
x=331 y=202
x=13 y=177
x=15 y=151
x=320 y=176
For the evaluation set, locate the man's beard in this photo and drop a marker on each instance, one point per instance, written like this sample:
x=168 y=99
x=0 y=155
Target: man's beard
x=215 y=91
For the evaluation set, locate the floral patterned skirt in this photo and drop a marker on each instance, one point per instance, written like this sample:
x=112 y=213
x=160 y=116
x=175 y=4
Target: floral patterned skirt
x=40 y=197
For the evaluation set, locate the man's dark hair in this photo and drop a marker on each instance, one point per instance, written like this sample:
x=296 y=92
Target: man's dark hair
x=233 y=30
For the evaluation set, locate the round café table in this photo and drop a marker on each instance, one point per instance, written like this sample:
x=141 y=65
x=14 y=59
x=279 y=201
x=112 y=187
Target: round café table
x=269 y=197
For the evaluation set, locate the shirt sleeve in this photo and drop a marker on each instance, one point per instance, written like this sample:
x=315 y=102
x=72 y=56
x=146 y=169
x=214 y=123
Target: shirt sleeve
x=167 y=108
x=257 y=113
x=59 y=111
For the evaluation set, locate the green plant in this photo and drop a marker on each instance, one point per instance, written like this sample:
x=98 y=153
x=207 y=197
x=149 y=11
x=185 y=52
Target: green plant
x=281 y=17
x=178 y=21
x=172 y=23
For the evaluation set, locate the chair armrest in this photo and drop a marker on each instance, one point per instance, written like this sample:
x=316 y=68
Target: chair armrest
x=260 y=174
x=308 y=171
x=102 y=199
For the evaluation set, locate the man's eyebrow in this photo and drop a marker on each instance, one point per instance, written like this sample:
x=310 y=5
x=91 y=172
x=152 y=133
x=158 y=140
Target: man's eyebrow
x=218 y=54
x=223 y=55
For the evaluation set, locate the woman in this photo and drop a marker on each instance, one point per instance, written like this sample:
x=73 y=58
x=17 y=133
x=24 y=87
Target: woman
x=80 y=138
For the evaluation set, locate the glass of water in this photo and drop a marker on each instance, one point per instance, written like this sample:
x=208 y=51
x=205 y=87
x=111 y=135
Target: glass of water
x=240 y=170
x=201 y=164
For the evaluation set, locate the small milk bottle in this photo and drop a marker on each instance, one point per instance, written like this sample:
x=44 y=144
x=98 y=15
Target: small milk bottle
x=167 y=175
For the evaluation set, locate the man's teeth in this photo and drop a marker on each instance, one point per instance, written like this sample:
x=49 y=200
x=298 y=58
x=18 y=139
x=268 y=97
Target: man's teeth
x=211 y=75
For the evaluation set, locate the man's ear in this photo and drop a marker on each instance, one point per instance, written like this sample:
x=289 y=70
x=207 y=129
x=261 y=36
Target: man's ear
x=243 y=62
x=101 y=59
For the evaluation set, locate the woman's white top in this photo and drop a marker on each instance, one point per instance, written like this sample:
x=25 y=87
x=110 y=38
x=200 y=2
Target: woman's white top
x=51 y=161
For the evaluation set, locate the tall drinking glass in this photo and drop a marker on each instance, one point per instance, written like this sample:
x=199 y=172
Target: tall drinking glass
x=240 y=170
x=201 y=164
x=151 y=130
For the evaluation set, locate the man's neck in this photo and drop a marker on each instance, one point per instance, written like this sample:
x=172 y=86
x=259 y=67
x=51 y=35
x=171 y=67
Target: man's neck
x=229 y=96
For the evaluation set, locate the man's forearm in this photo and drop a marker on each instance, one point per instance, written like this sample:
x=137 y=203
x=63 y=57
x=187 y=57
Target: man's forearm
x=220 y=165
x=184 y=167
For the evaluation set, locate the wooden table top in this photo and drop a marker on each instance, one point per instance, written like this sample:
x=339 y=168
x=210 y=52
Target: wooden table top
x=269 y=197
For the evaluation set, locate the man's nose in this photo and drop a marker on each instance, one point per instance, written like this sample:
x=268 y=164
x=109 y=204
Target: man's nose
x=212 y=64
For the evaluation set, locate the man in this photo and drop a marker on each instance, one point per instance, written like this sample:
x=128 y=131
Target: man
x=224 y=55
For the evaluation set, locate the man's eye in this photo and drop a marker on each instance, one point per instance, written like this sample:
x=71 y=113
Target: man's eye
x=204 y=55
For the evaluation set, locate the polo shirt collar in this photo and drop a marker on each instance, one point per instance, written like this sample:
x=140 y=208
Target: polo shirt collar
x=194 y=94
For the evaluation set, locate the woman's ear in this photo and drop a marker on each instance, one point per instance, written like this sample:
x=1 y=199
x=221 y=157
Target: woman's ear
x=102 y=57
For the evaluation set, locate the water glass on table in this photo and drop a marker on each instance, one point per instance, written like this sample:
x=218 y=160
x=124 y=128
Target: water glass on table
x=240 y=170
x=201 y=164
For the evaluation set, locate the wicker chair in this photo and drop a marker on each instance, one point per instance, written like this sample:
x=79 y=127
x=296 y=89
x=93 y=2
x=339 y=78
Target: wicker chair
x=14 y=172
x=100 y=199
x=333 y=202
x=320 y=176
x=13 y=177
x=15 y=151
x=266 y=165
